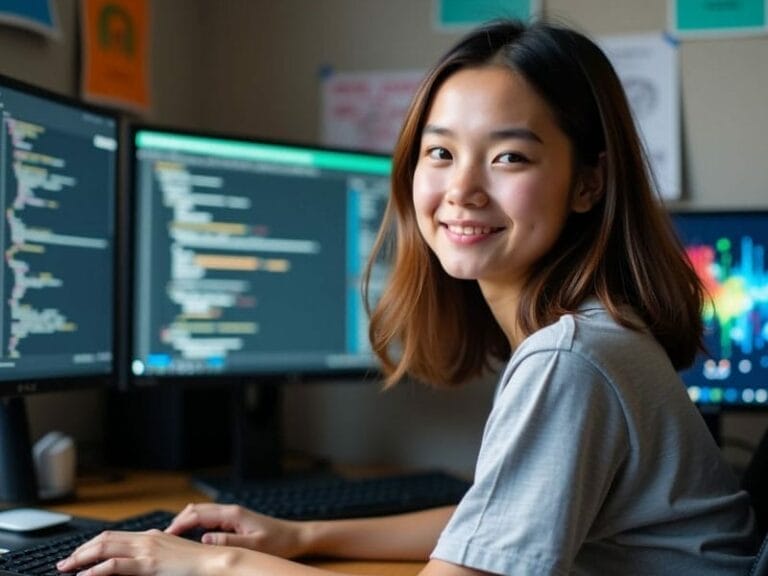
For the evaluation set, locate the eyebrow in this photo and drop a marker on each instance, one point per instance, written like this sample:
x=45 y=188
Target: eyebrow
x=502 y=134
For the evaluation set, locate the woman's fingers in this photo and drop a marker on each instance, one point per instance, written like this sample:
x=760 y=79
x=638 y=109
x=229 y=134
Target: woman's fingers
x=123 y=566
x=107 y=545
x=209 y=516
x=230 y=539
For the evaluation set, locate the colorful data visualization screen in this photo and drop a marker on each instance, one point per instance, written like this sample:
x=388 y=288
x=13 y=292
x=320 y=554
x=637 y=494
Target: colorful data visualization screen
x=728 y=251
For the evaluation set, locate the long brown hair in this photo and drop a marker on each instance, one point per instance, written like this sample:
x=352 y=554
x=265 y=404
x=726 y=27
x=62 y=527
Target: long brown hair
x=623 y=251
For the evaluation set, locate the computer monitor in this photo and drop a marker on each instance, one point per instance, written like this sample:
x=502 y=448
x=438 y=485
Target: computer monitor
x=728 y=250
x=248 y=257
x=58 y=182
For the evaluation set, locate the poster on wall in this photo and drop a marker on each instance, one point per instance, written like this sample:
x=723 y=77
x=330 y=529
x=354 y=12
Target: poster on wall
x=458 y=14
x=36 y=15
x=705 y=18
x=364 y=110
x=648 y=66
x=115 y=53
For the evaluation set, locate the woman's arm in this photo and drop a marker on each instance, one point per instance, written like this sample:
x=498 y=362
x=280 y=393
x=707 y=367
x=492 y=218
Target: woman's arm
x=403 y=537
x=248 y=563
x=154 y=553
x=409 y=536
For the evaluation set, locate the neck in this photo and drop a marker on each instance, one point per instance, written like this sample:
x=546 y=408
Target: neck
x=504 y=300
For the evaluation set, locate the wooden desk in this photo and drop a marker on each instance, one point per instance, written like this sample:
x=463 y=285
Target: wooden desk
x=139 y=492
x=131 y=494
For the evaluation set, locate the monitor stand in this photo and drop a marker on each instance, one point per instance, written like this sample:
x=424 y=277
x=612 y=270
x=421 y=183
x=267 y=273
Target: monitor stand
x=255 y=437
x=18 y=484
x=257 y=454
x=257 y=442
x=225 y=432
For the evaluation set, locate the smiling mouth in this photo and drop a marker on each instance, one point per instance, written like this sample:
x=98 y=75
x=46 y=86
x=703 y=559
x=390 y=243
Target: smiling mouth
x=472 y=230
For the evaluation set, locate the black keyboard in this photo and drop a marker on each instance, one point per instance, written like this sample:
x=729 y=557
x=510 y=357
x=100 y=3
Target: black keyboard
x=40 y=559
x=326 y=498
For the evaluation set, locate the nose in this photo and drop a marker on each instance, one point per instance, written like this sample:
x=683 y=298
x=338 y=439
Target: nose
x=467 y=186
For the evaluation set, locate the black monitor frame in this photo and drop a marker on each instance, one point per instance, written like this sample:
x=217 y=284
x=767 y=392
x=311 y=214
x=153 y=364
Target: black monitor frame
x=17 y=480
x=713 y=411
x=254 y=397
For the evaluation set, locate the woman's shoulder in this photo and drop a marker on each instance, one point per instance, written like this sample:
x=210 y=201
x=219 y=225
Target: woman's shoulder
x=591 y=335
x=591 y=349
x=590 y=325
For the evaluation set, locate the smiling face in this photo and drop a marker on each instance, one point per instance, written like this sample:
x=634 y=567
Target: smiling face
x=494 y=182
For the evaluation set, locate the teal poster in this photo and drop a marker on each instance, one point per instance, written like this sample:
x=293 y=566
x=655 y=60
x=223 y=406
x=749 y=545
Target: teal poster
x=718 y=18
x=468 y=13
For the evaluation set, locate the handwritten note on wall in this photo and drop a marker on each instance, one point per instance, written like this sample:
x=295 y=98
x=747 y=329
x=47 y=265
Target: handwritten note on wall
x=365 y=110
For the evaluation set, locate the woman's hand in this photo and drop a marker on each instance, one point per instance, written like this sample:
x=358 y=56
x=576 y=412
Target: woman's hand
x=231 y=525
x=143 y=553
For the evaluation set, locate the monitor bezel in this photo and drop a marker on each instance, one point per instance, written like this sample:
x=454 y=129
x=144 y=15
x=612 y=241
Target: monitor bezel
x=44 y=384
x=712 y=408
x=258 y=377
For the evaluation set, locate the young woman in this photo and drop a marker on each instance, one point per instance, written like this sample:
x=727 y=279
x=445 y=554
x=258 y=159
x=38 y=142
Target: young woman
x=526 y=229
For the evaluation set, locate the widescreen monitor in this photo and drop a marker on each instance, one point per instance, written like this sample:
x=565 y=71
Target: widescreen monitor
x=58 y=182
x=728 y=250
x=247 y=258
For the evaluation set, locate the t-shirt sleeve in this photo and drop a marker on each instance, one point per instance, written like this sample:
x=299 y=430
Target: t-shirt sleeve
x=553 y=443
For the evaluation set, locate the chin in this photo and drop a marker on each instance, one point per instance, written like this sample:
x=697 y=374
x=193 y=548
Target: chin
x=460 y=273
x=462 y=276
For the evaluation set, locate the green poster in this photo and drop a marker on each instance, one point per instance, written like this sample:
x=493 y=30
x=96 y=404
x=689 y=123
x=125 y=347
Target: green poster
x=719 y=16
x=461 y=13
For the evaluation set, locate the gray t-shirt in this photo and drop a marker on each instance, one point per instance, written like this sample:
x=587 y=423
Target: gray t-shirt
x=595 y=462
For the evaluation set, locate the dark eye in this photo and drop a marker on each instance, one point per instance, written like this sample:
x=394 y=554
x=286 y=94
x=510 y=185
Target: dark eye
x=438 y=153
x=511 y=158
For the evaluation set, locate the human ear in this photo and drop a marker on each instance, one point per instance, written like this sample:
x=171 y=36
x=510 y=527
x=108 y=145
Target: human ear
x=590 y=186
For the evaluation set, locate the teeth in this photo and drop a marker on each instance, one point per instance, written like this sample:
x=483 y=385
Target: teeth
x=470 y=230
